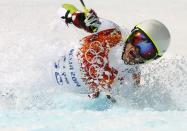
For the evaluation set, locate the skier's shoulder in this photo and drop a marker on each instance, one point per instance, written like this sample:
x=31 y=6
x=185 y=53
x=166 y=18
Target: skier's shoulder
x=107 y=24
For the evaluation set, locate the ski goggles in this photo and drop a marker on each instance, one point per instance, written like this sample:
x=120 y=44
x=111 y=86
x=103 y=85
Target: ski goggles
x=140 y=40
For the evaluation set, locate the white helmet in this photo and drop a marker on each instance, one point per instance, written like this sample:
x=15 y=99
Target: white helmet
x=158 y=33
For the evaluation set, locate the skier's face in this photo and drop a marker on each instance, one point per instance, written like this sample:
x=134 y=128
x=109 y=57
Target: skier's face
x=131 y=55
x=139 y=48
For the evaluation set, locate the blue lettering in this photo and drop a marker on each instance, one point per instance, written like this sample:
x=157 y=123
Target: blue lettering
x=71 y=66
x=75 y=79
x=71 y=59
x=65 y=76
x=58 y=78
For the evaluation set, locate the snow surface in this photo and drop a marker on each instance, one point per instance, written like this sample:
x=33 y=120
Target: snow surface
x=32 y=37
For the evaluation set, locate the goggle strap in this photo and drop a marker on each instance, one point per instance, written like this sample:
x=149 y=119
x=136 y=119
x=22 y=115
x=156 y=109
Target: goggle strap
x=158 y=56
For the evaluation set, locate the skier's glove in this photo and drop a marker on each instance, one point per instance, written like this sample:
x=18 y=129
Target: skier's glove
x=65 y=15
x=92 y=20
x=68 y=20
x=94 y=95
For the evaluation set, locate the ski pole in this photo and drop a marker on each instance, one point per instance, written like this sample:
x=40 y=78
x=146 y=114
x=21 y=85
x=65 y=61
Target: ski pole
x=85 y=9
x=82 y=2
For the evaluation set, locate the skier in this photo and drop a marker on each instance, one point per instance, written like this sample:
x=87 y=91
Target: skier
x=109 y=55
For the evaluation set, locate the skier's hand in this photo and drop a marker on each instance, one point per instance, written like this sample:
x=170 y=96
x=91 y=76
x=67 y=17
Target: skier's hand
x=112 y=99
x=94 y=95
x=92 y=20
x=136 y=78
x=65 y=15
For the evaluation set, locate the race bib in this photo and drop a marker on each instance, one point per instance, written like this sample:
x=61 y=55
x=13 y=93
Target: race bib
x=67 y=72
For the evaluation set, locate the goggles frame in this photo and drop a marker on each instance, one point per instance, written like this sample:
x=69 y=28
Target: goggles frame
x=149 y=38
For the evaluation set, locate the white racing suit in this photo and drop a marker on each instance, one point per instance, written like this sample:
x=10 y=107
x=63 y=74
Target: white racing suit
x=96 y=63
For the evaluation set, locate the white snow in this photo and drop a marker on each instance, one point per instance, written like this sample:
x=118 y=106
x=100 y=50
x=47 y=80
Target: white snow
x=32 y=37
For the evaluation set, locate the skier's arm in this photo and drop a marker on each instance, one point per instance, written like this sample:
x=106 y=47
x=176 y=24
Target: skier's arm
x=88 y=21
x=92 y=21
x=136 y=76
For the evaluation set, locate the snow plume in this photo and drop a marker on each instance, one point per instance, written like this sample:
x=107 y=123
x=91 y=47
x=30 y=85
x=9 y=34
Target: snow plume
x=163 y=87
x=163 y=84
